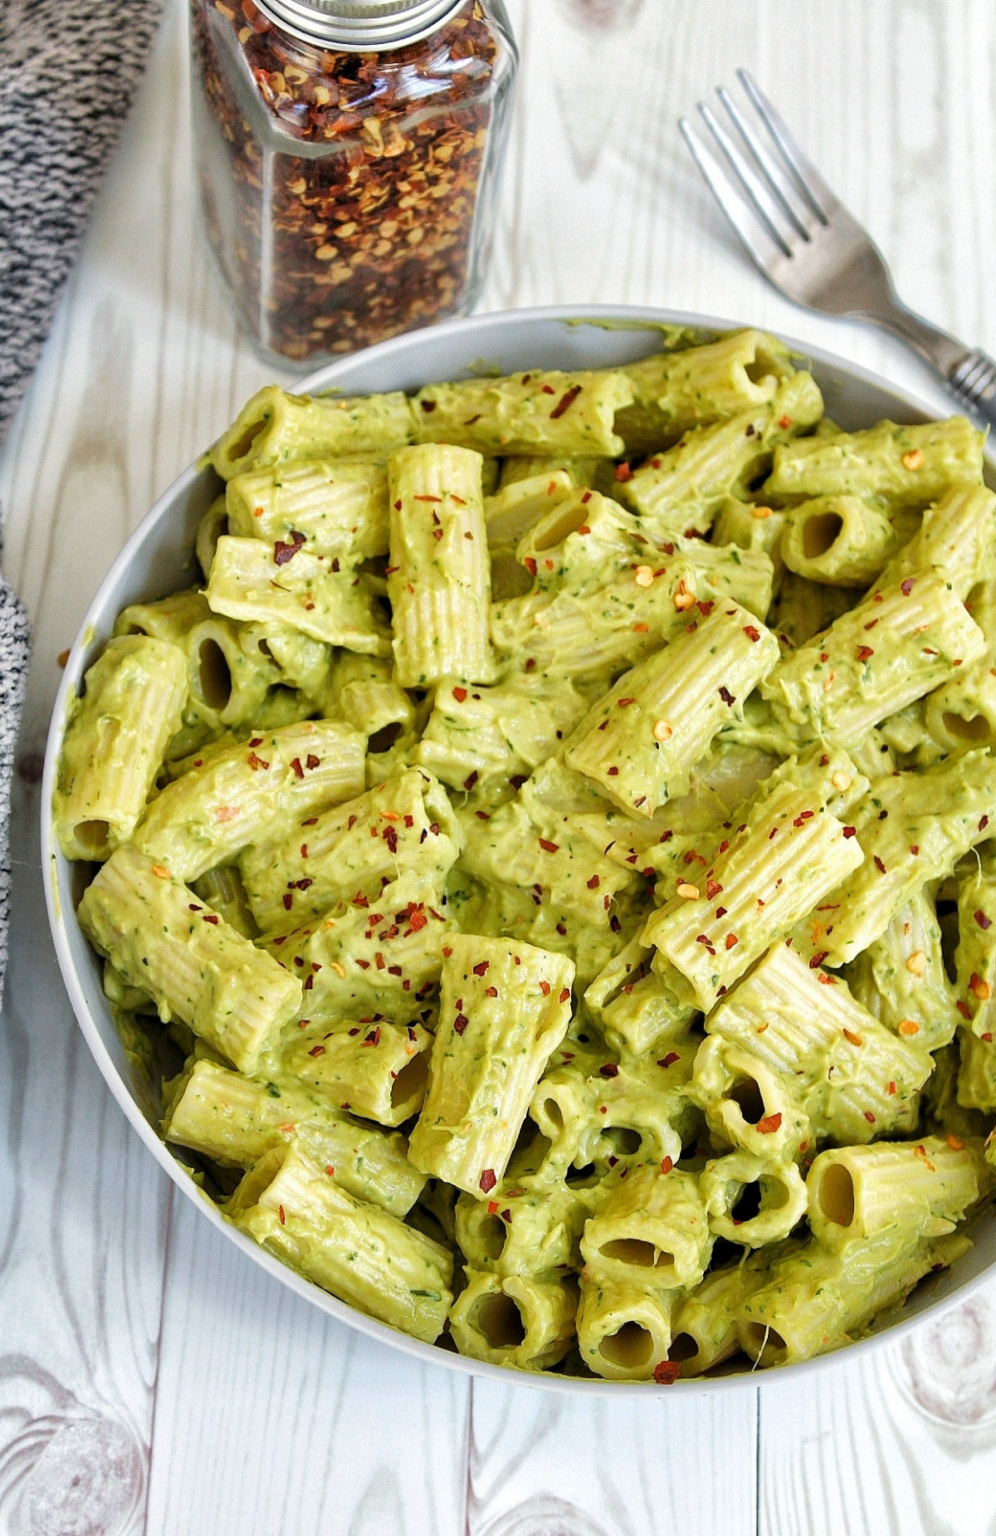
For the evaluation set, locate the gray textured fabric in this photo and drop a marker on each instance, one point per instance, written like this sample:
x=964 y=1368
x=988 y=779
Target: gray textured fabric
x=67 y=78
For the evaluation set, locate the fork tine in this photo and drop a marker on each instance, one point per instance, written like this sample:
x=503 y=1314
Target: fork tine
x=755 y=190
x=751 y=230
x=807 y=178
x=782 y=186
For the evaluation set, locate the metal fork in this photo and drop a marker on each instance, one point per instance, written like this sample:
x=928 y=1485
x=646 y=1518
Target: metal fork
x=805 y=241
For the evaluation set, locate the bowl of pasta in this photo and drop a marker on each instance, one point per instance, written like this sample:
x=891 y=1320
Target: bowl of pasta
x=518 y=821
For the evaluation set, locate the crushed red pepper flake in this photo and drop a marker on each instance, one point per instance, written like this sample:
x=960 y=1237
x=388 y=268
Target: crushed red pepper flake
x=769 y=1123
x=487 y=1180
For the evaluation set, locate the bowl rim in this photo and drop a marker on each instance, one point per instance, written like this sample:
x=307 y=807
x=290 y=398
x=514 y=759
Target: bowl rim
x=54 y=865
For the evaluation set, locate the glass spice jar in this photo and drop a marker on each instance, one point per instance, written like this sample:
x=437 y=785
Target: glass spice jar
x=348 y=154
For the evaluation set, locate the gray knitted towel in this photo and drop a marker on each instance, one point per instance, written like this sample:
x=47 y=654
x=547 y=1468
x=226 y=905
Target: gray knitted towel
x=67 y=77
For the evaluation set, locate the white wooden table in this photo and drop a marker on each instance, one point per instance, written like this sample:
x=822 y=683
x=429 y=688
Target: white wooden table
x=151 y=1380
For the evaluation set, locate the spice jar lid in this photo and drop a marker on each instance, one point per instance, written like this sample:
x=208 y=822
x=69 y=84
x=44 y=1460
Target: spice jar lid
x=360 y=26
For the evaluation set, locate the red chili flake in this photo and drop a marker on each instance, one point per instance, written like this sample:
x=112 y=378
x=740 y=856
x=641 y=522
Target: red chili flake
x=490 y=991
x=669 y=1061
x=906 y=587
x=625 y=703
x=608 y=1070
x=720 y=912
x=373 y=1038
x=983 y=823
x=623 y=473
x=824 y=656
x=283 y=552
x=565 y=402
x=879 y=865
x=211 y=917
x=614 y=922
x=549 y=847
x=530 y=565
x=309 y=982
x=731 y=940
x=769 y=1123
x=850 y=831
x=713 y=889
x=613 y=773
x=666 y=1372
x=982 y=920
x=773 y=833
x=459 y=694
x=963 y=1009
x=864 y=652
x=416 y=921
x=487 y=1180
x=915 y=849
x=470 y=780
x=391 y=838
x=545 y=988
x=584 y=529
x=726 y=696
x=987 y=1037
x=317 y=1050
x=818 y=959
x=891 y=1087
x=363 y=964
x=280 y=1213
x=869 y=1117
x=481 y=969
x=288 y=898
x=311 y=761
x=825 y=980
x=256 y=763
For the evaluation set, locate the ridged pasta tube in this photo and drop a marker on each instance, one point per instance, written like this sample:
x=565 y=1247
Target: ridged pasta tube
x=406 y=823
x=339 y=505
x=749 y=1104
x=362 y=691
x=192 y=963
x=526 y=413
x=919 y=1001
x=652 y=1230
x=781 y=1198
x=699 y=385
x=377 y=1070
x=275 y=778
x=519 y=504
x=581 y=543
x=682 y=488
x=641 y=740
x=905 y=466
x=854 y=1078
x=840 y=540
x=897 y=645
x=624 y=1329
x=958 y=533
x=275 y=426
x=634 y=1006
x=819 y=1298
x=774 y=869
x=356 y=1250
x=252 y=581
x=930 y=819
x=515 y=1320
x=975 y=956
x=528 y=1229
x=504 y=1008
x=480 y=738
x=222 y=890
x=977 y=1072
x=961 y=714
x=440 y=577
x=380 y=958
x=704 y=1323
x=236 y=1119
x=114 y=743
x=921 y=1186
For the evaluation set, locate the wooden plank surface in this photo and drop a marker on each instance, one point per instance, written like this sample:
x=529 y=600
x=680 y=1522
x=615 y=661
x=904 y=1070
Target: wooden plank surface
x=150 y=1379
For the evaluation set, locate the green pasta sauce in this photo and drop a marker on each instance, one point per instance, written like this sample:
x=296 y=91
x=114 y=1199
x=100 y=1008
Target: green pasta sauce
x=553 y=845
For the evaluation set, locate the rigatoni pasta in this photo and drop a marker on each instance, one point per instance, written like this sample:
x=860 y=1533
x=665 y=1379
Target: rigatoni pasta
x=550 y=852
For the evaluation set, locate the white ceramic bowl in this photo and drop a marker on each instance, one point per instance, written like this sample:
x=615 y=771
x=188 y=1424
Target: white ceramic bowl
x=158 y=559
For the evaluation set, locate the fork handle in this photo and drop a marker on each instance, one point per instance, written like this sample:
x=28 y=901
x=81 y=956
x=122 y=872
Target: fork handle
x=973 y=383
x=970 y=375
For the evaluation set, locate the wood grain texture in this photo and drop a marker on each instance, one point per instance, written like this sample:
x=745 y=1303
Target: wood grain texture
x=151 y=1379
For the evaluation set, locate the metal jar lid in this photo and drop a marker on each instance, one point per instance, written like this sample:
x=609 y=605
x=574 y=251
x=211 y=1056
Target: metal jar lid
x=360 y=26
